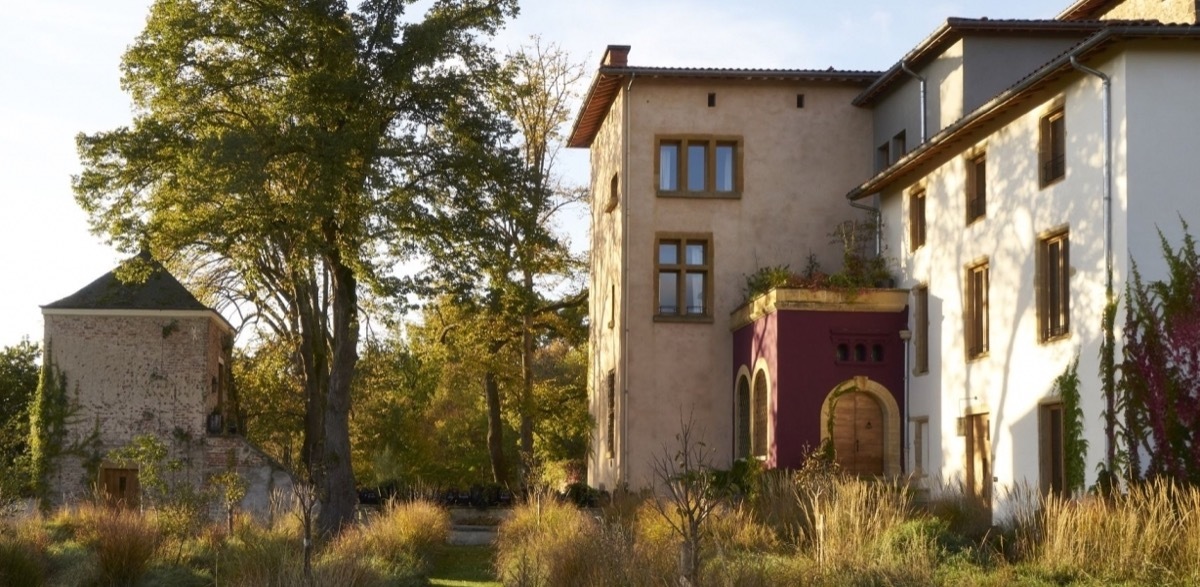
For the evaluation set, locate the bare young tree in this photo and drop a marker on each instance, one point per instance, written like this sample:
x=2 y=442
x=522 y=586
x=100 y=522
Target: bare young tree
x=686 y=494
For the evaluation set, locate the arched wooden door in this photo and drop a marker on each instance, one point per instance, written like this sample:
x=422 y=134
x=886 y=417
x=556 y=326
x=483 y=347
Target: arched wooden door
x=858 y=434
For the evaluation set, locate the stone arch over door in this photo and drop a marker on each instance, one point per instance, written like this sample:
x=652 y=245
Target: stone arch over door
x=870 y=396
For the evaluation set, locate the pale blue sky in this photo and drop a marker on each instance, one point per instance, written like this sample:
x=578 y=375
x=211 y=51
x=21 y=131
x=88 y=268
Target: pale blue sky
x=59 y=76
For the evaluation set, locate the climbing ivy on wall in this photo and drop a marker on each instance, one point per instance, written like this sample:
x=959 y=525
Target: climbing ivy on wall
x=47 y=423
x=1160 y=374
x=1075 y=446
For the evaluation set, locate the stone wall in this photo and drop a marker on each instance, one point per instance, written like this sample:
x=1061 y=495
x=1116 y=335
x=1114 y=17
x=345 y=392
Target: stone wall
x=158 y=373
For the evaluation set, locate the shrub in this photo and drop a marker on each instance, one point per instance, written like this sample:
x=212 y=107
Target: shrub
x=757 y=570
x=848 y=520
x=399 y=542
x=539 y=544
x=1146 y=535
x=259 y=556
x=965 y=514
x=23 y=553
x=776 y=505
x=123 y=543
x=733 y=528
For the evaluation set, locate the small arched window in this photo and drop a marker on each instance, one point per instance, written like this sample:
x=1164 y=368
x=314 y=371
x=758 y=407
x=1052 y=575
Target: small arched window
x=742 y=446
x=761 y=417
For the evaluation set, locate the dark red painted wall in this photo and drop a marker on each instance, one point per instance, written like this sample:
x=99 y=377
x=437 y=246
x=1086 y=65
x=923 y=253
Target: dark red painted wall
x=751 y=342
x=801 y=350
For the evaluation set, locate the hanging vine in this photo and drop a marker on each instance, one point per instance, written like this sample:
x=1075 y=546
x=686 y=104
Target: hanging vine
x=47 y=424
x=1075 y=447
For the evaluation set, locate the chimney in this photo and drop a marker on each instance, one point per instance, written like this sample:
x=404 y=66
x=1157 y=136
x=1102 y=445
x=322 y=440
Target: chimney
x=615 y=56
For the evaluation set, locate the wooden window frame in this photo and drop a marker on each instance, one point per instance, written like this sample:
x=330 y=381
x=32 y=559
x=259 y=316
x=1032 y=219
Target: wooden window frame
x=920 y=329
x=899 y=147
x=760 y=423
x=976 y=312
x=976 y=205
x=681 y=268
x=1051 y=453
x=1052 y=148
x=711 y=144
x=1054 y=307
x=883 y=156
x=743 y=437
x=610 y=418
x=920 y=428
x=917 y=225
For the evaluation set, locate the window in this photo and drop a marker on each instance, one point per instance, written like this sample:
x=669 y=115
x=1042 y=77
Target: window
x=742 y=449
x=1053 y=287
x=684 y=267
x=899 y=147
x=976 y=311
x=916 y=219
x=120 y=487
x=1052 y=152
x=976 y=188
x=1052 y=459
x=920 y=430
x=921 y=329
x=699 y=166
x=612 y=306
x=760 y=418
x=611 y=414
x=614 y=194
x=883 y=156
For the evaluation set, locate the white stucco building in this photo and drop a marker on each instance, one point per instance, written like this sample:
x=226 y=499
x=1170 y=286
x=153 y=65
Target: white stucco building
x=1018 y=166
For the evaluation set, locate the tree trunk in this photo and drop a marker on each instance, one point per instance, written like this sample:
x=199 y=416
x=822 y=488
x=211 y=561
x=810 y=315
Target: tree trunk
x=495 y=436
x=527 y=403
x=314 y=361
x=338 y=497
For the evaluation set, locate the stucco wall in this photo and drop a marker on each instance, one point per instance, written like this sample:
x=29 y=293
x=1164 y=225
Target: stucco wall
x=993 y=64
x=1168 y=11
x=797 y=164
x=607 y=292
x=1016 y=375
x=1161 y=153
x=808 y=371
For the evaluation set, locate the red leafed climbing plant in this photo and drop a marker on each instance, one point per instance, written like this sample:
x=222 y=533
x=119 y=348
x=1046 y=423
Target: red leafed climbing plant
x=1160 y=381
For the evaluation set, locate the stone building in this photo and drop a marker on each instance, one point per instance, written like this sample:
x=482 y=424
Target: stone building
x=142 y=356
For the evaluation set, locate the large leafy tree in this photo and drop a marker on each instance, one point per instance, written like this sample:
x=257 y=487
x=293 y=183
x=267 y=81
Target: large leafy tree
x=277 y=144
x=504 y=231
x=18 y=381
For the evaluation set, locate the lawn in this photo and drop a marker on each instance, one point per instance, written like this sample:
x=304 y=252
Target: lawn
x=464 y=566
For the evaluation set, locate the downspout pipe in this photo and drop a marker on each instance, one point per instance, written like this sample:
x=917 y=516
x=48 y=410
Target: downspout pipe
x=1109 y=339
x=924 y=103
x=623 y=464
x=877 y=218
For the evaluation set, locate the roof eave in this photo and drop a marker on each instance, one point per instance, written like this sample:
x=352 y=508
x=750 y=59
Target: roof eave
x=605 y=88
x=951 y=31
x=919 y=155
